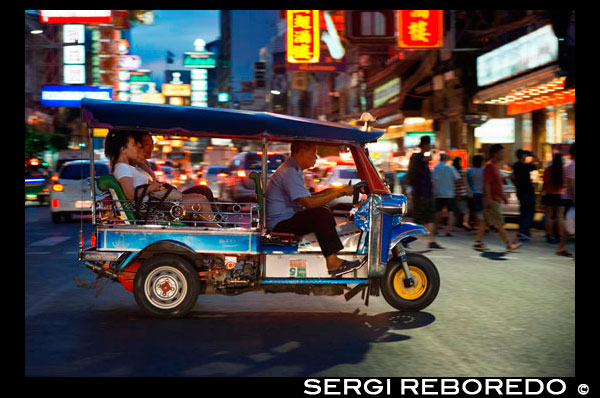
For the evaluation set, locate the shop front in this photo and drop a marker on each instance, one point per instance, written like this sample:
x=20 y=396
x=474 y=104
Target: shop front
x=522 y=81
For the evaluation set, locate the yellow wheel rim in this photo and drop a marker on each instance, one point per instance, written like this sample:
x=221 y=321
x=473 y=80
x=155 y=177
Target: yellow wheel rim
x=414 y=292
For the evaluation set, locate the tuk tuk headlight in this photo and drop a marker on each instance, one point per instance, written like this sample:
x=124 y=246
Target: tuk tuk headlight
x=404 y=208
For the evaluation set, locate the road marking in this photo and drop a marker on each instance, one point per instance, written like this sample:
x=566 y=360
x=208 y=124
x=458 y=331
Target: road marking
x=28 y=253
x=52 y=241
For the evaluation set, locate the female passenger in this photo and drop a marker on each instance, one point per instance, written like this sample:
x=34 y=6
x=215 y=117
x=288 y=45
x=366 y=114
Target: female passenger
x=121 y=149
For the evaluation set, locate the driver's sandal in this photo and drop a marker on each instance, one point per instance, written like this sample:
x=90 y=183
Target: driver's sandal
x=345 y=267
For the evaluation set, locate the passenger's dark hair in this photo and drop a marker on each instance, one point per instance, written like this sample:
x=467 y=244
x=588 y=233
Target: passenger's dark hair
x=457 y=162
x=477 y=160
x=138 y=135
x=298 y=146
x=556 y=170
x=495 y=148
x=115 y=140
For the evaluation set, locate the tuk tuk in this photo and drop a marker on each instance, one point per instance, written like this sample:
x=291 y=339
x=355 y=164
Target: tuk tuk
x=167 y=256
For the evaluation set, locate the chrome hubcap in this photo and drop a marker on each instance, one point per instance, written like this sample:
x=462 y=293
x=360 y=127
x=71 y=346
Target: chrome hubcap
x=165 y=287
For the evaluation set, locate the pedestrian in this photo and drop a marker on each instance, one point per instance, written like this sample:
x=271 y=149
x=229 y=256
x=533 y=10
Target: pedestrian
x=552 y=190
x=419 y=178
x=463 y=193
x=525 y=193
x=568 y=197
x=493 y=195
x=444 y=181
x=475 y=183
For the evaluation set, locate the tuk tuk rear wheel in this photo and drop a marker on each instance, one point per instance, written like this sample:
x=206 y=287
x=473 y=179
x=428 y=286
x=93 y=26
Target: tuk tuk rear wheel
x=166 y=286
x=414 y=298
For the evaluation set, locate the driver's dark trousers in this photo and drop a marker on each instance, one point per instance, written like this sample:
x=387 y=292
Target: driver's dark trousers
x=319 y=220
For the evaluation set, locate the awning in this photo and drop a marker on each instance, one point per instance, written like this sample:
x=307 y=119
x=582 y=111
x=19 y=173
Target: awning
x=531 y=79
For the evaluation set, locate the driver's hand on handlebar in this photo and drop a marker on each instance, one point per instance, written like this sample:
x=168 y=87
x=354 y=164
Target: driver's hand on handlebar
x=346 y=190
x=155 y=186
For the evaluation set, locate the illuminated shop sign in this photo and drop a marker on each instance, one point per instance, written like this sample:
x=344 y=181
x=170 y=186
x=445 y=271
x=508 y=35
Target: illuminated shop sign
x=420 y=28
x=74 y=55
x=496 y=131
x=535 y=49
x=413 y=139
x=199 y=59
x=303 y=42
x=130 y=62
x=70 y=96
x=75 y=16
x=177 y=90
x=74 y=34
x=386 y=92
x=140 y=76
x=74 y=74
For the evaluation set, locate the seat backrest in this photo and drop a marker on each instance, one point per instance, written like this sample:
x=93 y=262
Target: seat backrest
x=109 y=183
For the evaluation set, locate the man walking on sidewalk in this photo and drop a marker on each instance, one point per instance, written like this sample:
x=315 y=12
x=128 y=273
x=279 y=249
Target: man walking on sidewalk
x=492 y=197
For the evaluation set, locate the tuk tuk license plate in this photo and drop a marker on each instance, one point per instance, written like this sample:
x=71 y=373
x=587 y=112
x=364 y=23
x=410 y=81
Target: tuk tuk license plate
x=297 y=268
x=83 y=204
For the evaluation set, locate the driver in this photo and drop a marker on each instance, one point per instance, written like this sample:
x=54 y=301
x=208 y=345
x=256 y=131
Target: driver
x=291 y=208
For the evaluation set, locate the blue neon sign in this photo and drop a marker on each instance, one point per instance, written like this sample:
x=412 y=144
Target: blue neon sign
x=70 y=96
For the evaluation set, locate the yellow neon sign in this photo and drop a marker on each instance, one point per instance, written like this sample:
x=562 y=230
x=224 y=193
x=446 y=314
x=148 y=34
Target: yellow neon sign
x=303 y=41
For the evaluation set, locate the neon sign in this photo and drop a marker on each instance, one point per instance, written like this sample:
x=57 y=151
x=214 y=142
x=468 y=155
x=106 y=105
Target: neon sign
x=420 y=28
x=303 y=42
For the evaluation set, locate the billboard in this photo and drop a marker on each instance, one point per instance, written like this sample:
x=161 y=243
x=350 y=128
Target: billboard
x=76 y=16
x=70 y=96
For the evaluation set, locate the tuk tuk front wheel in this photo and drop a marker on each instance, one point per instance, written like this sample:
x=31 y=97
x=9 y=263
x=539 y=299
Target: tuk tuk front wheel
x=166 y=286
x=418 y=296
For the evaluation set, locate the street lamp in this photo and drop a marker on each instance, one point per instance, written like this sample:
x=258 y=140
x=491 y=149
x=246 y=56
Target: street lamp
x=36 y=32
x=275 y=92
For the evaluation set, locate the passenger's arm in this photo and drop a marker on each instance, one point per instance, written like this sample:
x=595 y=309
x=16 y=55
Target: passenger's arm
x=127 y=186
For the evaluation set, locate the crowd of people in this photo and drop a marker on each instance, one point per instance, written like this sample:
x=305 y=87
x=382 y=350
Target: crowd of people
x=448 y=191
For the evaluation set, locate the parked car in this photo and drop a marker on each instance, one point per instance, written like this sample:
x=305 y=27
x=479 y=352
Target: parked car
x=70 y=192
x=214 y=177
x=239 y=187
x=338 y=177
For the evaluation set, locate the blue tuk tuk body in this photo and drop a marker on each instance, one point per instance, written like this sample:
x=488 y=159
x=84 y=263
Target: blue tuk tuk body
x=168 y=261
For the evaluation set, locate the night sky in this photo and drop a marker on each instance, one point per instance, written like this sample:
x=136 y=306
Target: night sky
x=175 y=31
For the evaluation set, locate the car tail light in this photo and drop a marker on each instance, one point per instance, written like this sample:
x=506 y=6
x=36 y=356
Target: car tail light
x=54 y=178
x=55 y=203
x=241 y=173
x=58 y=188
x=159 y=173
x=93 y=239
x=222 y=175
x=203 y=182
x=337 y=184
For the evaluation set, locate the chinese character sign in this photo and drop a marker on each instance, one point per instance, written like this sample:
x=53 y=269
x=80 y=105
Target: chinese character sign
x=420 y=28
x=303 y=42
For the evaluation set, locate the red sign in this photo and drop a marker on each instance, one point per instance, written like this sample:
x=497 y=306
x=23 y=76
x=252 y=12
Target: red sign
x=420 y=28
x=303 y=41
x=76 y=16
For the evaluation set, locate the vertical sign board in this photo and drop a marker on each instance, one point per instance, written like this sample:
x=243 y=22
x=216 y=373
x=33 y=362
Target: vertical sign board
x=303 y=41
x=420 y=28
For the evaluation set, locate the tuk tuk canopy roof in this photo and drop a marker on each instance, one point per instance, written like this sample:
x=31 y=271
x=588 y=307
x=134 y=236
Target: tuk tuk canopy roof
x=226 y=123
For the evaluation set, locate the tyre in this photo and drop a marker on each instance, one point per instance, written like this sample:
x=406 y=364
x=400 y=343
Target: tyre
x=417 y=297
x=166 y=286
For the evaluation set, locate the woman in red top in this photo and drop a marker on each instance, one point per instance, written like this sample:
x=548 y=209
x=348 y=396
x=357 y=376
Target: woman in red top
x=551 y=197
